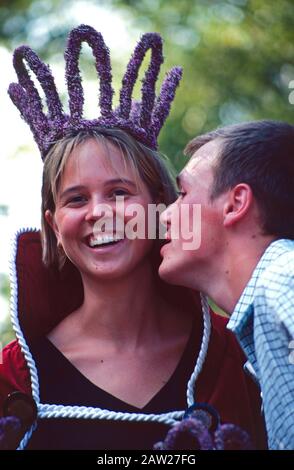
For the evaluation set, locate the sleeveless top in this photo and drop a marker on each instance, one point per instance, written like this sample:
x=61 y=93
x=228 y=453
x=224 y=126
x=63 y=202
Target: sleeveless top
x=62 y=383
x=221 y=383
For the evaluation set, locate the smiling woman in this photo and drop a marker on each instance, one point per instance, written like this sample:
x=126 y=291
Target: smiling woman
x=99 y=169
x=113 y=356
x=99 y=175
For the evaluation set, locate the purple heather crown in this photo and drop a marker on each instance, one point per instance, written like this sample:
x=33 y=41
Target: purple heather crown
x=144 y=124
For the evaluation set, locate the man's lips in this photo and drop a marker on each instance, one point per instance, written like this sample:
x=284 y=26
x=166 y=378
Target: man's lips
x=168 y=239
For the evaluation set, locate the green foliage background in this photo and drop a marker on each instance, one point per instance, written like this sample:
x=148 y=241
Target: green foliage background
x=237 y=55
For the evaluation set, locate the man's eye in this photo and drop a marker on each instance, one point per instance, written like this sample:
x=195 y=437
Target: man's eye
x=181 y=193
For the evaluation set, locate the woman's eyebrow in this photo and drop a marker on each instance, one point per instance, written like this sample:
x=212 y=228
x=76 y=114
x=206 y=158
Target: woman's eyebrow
x=120 y=181
x=71 y=190
x=79 y=187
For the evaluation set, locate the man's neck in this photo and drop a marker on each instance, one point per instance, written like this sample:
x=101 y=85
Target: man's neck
x=234 y=271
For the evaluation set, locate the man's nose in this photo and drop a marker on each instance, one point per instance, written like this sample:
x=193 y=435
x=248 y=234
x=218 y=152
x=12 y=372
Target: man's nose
x=165 y=216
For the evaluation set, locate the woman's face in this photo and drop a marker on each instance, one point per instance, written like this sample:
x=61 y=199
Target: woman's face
x=91 y=226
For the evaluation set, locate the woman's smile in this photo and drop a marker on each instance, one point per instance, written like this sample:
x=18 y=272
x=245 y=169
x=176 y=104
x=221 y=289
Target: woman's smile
x=106 y=244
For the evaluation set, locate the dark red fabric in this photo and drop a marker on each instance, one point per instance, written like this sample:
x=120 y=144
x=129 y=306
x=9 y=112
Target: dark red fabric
x=224 y=384
x=221 y=383
x=45 y=295
x=14 y=374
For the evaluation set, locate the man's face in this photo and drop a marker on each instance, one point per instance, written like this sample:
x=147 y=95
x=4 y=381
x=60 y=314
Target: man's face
x=183 y=264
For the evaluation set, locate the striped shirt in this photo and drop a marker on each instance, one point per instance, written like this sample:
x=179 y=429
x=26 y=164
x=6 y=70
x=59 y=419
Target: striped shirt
x=263 y=321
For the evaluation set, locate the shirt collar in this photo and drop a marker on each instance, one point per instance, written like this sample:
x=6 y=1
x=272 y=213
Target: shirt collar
x=244 y=307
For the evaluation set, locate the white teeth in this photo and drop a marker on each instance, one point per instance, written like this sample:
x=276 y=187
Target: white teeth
x=103 y=240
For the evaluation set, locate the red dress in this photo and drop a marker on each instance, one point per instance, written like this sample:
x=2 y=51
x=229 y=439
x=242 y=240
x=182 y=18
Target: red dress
x=222 y=382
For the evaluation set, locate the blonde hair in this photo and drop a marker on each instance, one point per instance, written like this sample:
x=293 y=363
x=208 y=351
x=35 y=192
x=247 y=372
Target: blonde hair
x=148 y=166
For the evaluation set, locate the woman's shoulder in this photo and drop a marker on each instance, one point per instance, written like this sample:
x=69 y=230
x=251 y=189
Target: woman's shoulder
x=14 y=373
x=12 y=357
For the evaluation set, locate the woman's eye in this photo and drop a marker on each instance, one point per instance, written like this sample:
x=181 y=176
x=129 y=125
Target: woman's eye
x=181 y=193
x=76 y=200
x=119 y=192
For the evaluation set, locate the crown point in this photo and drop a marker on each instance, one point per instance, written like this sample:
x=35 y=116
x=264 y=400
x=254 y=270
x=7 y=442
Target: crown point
x=85 y=33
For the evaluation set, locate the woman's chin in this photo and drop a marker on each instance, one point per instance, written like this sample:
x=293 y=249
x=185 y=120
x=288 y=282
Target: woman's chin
x=102 y=272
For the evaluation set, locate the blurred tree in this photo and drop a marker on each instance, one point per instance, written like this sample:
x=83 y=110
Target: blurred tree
x=18 y=18
x=6 y=333
x=3 y=209
x=238 y=55
x=238 y=59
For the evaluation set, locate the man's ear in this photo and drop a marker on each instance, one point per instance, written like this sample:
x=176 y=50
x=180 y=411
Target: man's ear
x=238 y=202
x=50 y=219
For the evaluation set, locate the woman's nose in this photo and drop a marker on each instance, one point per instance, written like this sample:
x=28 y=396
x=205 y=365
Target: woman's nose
x=97 y=209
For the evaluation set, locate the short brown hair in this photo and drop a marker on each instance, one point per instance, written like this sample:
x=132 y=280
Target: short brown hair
x=260 y=154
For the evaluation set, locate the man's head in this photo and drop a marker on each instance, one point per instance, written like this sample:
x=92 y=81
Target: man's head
x=243 y=177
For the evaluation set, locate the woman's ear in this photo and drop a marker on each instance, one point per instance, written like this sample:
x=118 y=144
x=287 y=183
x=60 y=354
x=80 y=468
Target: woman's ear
x=50 y=219
x=238 y=204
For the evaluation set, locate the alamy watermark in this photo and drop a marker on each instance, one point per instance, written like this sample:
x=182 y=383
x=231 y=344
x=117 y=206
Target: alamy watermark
x=135 y=221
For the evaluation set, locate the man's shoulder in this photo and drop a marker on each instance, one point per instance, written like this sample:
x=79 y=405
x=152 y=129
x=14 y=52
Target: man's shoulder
x=274 y=292
x=279 y=272
x=285 y=253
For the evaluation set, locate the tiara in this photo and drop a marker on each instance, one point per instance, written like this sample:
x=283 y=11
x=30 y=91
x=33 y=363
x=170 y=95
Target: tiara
x=143 y=120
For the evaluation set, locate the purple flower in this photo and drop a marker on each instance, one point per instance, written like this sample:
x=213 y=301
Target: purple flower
x=189 y=434
x=231 y=437
x=10 y=428
x=192 y=434
x=103 y=68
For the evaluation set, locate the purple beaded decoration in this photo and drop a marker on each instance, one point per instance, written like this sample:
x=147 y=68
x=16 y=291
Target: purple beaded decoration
x=193 y=434
x=143 y=120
